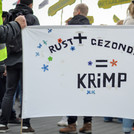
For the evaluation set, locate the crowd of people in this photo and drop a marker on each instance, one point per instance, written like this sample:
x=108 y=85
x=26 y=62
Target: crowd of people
x=11 y=68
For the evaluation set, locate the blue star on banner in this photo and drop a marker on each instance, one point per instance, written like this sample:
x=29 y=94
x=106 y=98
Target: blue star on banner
x=39 y=46
x=37 y=54
x=90 y=63
x=49 y=30
x=45 y=67
x=91 y=92
x=88 y=92
x=72 y=48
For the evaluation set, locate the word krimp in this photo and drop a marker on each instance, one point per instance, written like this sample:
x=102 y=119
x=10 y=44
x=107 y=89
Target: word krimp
x=99 y=80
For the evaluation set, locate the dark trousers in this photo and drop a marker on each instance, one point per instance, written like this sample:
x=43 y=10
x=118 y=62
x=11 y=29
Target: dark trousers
x=2 y=88
x=14 y=74
x=73 y=119
x=2 y=92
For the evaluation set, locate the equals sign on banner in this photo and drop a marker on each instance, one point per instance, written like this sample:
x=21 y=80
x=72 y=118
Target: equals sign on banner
x=101 y=63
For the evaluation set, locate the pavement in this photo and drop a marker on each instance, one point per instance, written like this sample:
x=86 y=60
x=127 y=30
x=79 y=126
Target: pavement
x=48 y=125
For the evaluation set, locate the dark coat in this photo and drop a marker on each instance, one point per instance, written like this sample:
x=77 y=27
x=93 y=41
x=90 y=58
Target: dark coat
x=27 y=12
x=79 y=20
x=31 y=19
x=9 y=32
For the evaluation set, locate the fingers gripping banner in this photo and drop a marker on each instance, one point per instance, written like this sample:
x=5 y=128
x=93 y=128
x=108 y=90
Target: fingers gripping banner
x=78 y=70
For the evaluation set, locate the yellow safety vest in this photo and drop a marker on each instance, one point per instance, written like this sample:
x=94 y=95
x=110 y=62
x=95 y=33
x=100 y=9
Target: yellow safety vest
x=3 y=52
x=3 y=49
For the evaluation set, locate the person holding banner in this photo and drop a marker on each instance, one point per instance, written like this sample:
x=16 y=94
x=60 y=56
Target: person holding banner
x=80 y=13
x=14 y=65
x=128 y=123
x=13 y=118
x=8 y=33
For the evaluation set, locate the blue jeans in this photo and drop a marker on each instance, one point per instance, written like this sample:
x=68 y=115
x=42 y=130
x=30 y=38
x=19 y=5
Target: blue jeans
x=110 y=119
x=19 y=91
x=127 y=125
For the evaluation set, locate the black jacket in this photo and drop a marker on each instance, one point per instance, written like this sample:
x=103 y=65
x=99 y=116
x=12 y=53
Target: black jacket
x=27 y=12
x=9 y=32
x=79 y=20
x=31 y=19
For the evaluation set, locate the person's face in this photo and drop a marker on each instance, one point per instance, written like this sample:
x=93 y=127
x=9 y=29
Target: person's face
x=3 y=18
x=31 y=5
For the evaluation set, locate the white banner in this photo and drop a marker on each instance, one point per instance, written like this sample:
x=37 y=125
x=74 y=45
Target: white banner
x=78 y=70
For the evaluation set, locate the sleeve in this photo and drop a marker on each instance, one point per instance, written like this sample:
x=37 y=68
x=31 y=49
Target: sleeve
x=36 y=21
x=32 y=20
x=9 y=32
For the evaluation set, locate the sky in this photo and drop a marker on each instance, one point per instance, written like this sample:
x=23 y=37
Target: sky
x=101 y=16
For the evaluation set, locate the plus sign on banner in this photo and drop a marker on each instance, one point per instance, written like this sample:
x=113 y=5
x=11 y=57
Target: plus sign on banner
x=71 y=68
